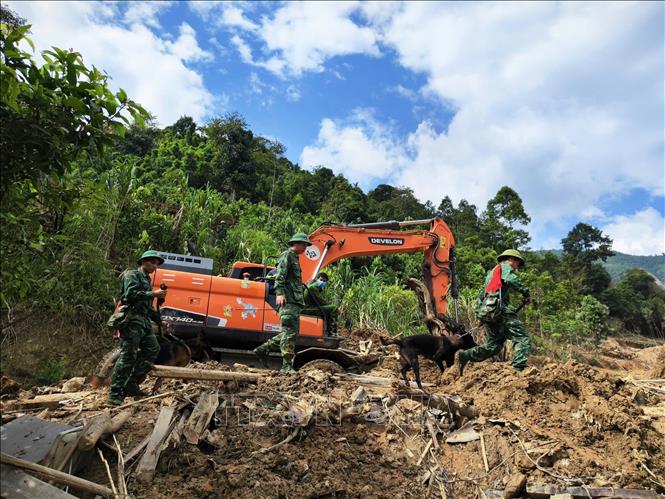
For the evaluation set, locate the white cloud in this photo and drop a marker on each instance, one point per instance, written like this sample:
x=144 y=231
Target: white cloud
x=233 y=16
x=642 y=233
x=145 y=12
x=150 y=68
x=243 y=49
x=361 y=148
x=299 y=36
x=561 y=101
x=292 y=93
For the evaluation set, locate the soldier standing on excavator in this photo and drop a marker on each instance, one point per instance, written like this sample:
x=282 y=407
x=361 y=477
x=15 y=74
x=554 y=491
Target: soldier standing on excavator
x=290 y=292
x=498 y=317
x=317 y=305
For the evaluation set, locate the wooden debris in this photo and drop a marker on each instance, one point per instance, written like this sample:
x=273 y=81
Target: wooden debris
x=141 y=401
x=101 y=425
x=137 y=449
x=73 y=385
x=202 y=374
x=145 y=471
x=58 y=476
x=51 y=401
x=173 y=441
x=484 y=452
x=291 y=436
x=122 y=485
x=425 y=451
x=429 y=424
x=362 y=379
x=200 y=417
x=546 y=491
x=108 y=472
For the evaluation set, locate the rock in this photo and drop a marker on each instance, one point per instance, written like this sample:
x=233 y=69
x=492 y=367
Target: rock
x=73 y=385
x=515 y=486
x=359 y=396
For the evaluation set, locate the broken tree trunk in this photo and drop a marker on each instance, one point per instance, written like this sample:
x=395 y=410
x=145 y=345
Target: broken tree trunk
x=200 y=418
x=102 y=425
x=145 y=471
x=58 y=476
x=202 y=374
x=426 y=305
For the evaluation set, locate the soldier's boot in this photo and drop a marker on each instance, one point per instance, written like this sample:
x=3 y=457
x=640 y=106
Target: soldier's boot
x=460 y=361
x=132 y=389
x=116 y=398
x=287 y=365
x=262 y=356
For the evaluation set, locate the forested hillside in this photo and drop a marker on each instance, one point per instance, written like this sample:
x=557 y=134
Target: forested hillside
x=619 y=263
x=89 y=182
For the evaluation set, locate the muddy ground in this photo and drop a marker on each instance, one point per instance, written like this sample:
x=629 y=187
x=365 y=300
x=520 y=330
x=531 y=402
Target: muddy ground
x=563 y=424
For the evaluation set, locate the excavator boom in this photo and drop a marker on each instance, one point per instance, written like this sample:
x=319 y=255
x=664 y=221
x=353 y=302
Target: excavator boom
x=334 y=242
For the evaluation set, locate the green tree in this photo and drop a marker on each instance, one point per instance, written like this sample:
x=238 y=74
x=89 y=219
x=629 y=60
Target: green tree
x=54 y=113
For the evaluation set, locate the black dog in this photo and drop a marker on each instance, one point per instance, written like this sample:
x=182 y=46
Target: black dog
x=440 y=349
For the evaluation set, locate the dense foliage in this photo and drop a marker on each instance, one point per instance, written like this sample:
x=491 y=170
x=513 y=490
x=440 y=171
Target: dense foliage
x=84 y=192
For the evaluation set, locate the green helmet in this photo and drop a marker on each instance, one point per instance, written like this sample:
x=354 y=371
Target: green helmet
x=511 y=252
x=151 y=254
x=300 y=237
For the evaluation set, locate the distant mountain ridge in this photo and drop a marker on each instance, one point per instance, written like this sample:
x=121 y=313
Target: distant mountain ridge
x=620 y=262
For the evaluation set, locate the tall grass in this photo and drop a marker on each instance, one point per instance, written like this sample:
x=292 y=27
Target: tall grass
x=369 y=302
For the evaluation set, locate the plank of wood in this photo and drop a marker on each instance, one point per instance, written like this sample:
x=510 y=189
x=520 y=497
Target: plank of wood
x=17 y=484
x=200 y=417
x=51 y=401
x=202 y=374
x=58 y=476
x=545 y=491
x=145 y=471
x=137 y=449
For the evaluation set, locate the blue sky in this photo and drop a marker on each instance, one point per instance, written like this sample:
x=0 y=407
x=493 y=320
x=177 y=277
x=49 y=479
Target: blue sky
x=561 y=101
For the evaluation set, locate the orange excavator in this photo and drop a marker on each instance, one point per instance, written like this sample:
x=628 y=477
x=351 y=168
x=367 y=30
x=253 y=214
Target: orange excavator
x=237 y=312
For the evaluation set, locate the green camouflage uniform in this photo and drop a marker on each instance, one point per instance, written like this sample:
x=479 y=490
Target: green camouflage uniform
x=288 y=282
x=509 y=327
x=317 y=305
x=138 y=345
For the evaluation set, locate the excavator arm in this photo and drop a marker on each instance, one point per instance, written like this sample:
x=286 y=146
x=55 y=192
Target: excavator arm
x=334 y=242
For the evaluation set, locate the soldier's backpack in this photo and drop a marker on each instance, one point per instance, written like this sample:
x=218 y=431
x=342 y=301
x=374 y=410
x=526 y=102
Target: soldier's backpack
x=119 y=318
x=490 y=307
x=121 y=314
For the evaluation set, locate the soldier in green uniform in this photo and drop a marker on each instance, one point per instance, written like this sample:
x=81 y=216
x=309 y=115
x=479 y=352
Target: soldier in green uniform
x=508 y=326
x=138 y=345
x=317 y=305
x=290 y=292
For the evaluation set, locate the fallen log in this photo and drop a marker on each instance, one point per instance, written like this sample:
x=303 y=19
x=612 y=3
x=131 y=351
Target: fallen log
x=58 y=476
x=145 y=471
x=200 y=418
x=51 y=401
x=102 y=425
x=202 y=374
